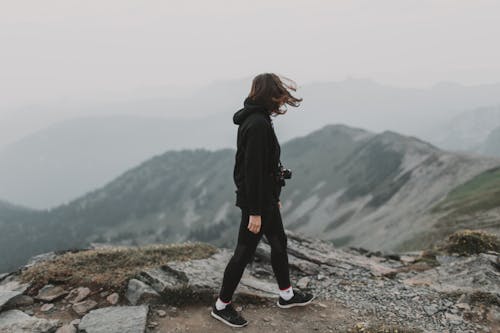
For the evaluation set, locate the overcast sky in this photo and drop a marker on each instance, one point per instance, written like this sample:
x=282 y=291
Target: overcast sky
x=89 y=49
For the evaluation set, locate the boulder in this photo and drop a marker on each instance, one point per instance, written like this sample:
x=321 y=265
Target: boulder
x=78 y=294
x=16 y=321
x=115 y=319
x=49 y=293
x=18 y=301
x=200 y=280
x=461 y=274
x=10 y=288
x=6 y=296
x=310 y=256
x=140 y=293
x=113 y=298
x=83 y=307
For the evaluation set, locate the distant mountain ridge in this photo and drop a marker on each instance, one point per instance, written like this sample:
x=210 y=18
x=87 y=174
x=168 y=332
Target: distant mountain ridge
x=95 y=142
x=491 y=145
x=351 y=186
x=472 y=131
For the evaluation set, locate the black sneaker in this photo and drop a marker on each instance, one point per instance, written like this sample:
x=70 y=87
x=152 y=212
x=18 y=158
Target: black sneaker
x=299 y=299
x=229 y=316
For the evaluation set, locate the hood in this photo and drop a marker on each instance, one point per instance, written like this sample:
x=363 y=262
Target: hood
x=249 y=107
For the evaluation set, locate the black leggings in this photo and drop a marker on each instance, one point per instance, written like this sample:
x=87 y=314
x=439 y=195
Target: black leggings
x=272 y=227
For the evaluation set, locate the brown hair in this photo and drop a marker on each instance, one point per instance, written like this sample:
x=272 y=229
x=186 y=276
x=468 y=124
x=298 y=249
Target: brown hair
x=271 y=91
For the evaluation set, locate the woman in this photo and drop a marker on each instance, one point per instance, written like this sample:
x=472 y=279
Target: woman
x=258 y=178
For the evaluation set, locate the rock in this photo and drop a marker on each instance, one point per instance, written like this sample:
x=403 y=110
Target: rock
x=113 y=298
x=163 y=313
x=431 y=309
x=200 y=280
x=116 y=319
x=40 y=258
x=46 y=307
x=50 y=293
x=84 y=306
x=153 y=324
x=6 y=296
x=75 y=322
x=263 y=253
x=139 y=292
x=464 y=274
x=78 y=294
x=10 y=289
x=303 y=282
x=16 y=321
x=67 y=329
x=18 y=301
x=463 y=306
x=11 y=283
x=309 y=256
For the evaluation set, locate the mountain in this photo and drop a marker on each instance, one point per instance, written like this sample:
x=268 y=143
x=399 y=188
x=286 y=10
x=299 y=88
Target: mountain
x=372 y=190
x=10 y=212
x=474 y=203
x=13 y=248
x=467 y=131
x=94 y=142
x=491 y=145
x=349 y=186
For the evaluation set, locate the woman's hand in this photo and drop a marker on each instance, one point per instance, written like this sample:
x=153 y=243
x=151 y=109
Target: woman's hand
x=254 y=223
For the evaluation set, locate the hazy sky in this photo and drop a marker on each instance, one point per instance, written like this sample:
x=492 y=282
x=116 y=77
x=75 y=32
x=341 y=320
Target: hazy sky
x=60 y=50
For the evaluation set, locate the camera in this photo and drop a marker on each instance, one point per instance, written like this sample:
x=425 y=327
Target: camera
x=283 y=174
x=287 y=173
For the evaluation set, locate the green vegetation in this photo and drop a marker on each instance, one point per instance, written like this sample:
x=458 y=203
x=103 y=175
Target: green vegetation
x=467 y=242
x=110 y=267
x=478 y=194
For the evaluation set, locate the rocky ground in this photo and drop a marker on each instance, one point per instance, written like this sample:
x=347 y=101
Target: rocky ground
x=357 y=291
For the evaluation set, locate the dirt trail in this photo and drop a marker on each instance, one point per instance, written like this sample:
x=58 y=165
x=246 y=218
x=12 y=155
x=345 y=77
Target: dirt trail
x=319 y=316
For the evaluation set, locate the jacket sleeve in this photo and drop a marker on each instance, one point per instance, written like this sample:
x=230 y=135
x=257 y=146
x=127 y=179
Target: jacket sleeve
x=254 y=166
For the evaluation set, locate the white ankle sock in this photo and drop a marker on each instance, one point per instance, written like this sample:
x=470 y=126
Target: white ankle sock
x=287 y=293
x=221 y=305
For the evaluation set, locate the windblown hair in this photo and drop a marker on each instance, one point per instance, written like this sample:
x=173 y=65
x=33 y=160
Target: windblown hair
x=273 y=92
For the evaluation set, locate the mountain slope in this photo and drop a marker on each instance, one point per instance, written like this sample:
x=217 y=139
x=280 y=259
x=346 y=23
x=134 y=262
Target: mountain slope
x=379 y=194
x=491 y=145
x=476 y=203
x=349 y=185
x=468 y=130
x=85 y=152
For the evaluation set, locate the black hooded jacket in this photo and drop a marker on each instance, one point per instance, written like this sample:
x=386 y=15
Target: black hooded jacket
x=257 y=159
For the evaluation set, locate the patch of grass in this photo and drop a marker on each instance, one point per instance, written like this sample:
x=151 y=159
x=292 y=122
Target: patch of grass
x=110 y=268
x=478 y=194
x=481 y=297
x=466 y=242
